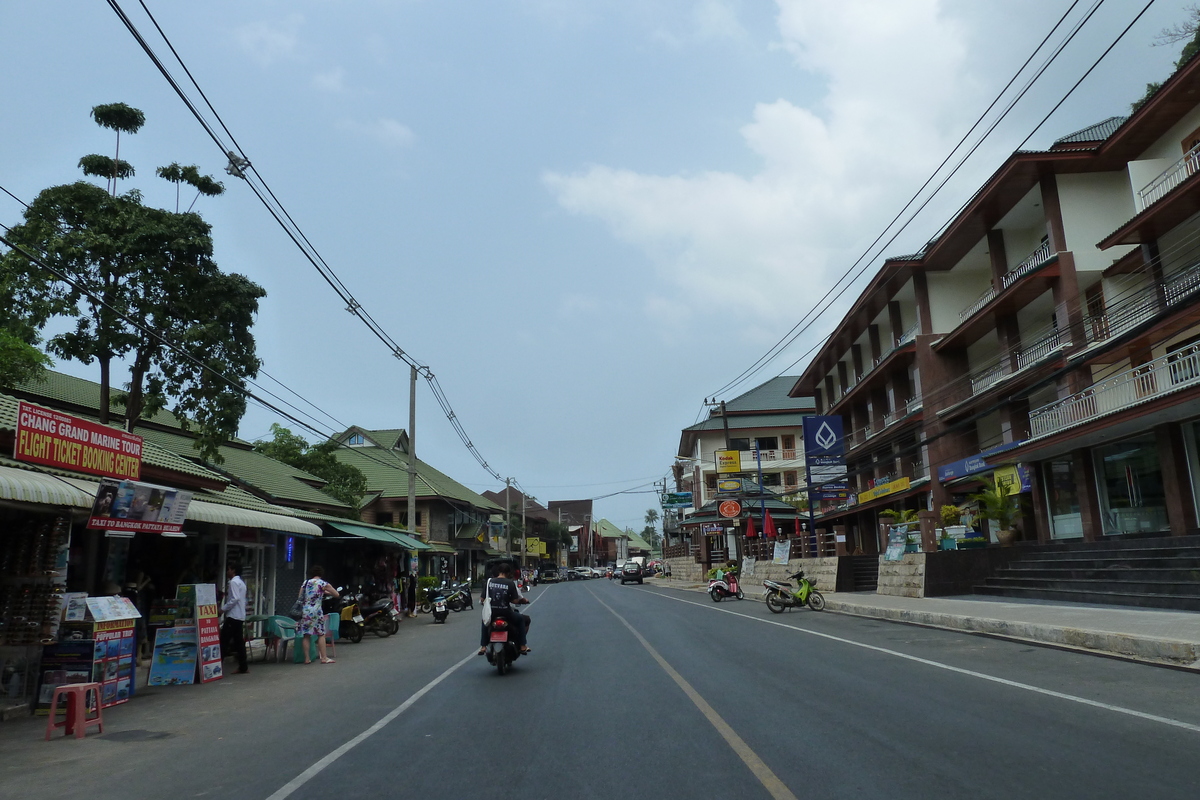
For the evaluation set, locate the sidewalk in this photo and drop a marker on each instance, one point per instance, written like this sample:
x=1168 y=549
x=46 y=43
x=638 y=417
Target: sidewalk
x=1152 y=635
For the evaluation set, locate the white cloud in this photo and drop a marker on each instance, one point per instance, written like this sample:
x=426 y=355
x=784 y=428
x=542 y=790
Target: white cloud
x=709 y=20
x=333 y=80
x=268 y=42
x=388 y=132
x=895 y=72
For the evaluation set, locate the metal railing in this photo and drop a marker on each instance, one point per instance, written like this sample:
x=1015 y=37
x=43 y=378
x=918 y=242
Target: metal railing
x=1149 y=381
x=902 y=411
x=1031 y=262
x=1179 y=286
x=1039 y=350
x=990 y=377
x=979 y=303
x=1169 y=178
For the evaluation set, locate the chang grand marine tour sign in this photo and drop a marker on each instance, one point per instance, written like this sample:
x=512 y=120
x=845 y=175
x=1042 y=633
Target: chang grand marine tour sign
x=54 y=439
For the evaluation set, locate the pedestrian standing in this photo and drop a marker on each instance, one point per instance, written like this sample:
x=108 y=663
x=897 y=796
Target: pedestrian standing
x=233 y=635
x=312 y=617
x=412 y=593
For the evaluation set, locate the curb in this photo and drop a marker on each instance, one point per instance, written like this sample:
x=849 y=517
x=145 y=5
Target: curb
x=1147 y=649
x=1172 y=652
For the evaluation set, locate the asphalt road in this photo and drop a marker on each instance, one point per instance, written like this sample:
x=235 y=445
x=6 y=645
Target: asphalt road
x=646 y=691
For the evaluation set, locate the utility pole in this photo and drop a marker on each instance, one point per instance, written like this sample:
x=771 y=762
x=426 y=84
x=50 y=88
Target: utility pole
x=412 y=450
x=524 y=544
x=507 y=518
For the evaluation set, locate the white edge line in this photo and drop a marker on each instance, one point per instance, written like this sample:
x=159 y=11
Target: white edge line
x=304 y=777
x=939 y=665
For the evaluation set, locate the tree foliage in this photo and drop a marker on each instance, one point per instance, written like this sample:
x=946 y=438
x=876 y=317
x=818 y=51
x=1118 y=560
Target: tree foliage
x=143 y=275
x=558 y=532
x=344 y=482
x=1186 y=31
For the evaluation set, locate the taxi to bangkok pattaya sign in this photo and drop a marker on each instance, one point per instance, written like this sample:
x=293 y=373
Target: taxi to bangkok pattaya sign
x=54 y=439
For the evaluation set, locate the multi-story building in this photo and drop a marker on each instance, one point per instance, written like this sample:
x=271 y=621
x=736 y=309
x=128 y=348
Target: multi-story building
x=764 y=424
x=1052 y=332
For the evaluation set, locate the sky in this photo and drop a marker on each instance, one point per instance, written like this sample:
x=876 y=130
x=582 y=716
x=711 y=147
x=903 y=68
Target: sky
x=585 y=217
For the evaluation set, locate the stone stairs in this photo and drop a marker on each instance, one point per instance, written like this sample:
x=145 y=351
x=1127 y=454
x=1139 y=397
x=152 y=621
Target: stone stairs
x=865 y=571
x=1161 y=572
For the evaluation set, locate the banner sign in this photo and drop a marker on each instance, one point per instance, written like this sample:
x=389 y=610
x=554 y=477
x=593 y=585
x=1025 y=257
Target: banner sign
x=728 y=462
x=677 y=500
x=825 y=453
x=113 y=668
x=897 y=540
x=883 y=490
x=729 y=508
x=1016 y=477
x=974 y=464
x=54 y=439
x=711 y=528
x=729 y=485
x=208 y=632
x=783 y=551
x=138 y=507
x=533 y=544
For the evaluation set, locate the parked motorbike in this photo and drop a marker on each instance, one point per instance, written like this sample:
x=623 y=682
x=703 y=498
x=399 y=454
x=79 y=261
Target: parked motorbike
x=350 y=621
x=780 y=595
x=458 y=596
x=435 y=602
x=381 y=617
x=719 y=589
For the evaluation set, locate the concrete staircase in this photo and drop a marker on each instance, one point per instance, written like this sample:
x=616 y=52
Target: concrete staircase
x=1152 y=573
x=865 y=571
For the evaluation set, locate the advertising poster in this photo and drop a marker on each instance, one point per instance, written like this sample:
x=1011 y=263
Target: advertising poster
x=63 y=662
x=208 y=631
x=783 y=552
x=138 y=507
x=113 y=665
x=897 y=540
x=174 y=659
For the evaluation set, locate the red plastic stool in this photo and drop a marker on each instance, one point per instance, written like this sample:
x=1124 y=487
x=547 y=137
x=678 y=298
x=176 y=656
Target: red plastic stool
x=77 y=709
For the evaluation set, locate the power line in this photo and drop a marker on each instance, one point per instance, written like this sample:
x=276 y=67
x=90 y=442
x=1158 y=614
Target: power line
x=241 y=166
x=821 y=305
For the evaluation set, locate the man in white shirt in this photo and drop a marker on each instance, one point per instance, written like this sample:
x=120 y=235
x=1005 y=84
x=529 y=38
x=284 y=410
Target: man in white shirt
x=234 y=609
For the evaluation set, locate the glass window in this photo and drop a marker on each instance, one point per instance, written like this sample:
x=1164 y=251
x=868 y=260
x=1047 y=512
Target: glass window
x=356 y=439
x=1062 y=496
x=739 y=444
x=1132 y=497
x=767 y=443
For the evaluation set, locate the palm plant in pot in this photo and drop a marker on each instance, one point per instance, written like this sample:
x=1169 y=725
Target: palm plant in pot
x=998 y=504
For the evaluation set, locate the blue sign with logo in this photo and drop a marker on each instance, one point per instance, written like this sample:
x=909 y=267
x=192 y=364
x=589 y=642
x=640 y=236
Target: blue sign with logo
x=825 y=453
x=973 y=464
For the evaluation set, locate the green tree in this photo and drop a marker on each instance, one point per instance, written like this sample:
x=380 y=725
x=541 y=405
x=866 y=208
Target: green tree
x=650 y=532
x=344 y=482
x=558 y=532
x=1187 y=31
x=148 y=265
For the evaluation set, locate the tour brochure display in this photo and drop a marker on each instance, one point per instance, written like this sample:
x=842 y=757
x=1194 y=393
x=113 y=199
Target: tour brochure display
x=97 y=644
x=192 y=647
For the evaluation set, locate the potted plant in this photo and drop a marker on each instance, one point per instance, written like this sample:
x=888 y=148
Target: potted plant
x=952 y=527
x=998 y=504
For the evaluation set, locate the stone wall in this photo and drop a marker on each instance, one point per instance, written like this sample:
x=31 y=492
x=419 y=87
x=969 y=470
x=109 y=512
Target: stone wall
x=822 y=571
x=903 y=578
x=941 y=573
x=685 y=568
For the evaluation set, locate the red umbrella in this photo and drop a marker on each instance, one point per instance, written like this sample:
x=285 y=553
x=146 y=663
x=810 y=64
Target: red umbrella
x=797 y=527
x=768 y=525
x=750 y=534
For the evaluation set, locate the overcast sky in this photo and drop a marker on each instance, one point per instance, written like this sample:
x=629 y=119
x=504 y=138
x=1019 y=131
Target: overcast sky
x=585 y=216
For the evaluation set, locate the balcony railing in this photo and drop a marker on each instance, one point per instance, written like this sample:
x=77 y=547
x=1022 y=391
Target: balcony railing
x=1039 y=350
x=1169 y=178
x=1139 y=306
x=985 y=380
x=982 y=301
x=1154 y=379
x=1034 y=260
x=902 y=411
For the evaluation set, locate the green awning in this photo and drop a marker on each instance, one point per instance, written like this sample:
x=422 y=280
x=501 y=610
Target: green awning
x=440 y=547
x=379 y=535
x=492 y=553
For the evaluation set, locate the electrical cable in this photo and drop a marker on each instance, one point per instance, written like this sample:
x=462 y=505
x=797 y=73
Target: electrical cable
x=818 y=308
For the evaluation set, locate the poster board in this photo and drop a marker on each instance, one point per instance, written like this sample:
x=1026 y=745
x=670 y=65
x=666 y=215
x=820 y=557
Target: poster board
x=208 y=632
x=897 y=540
x=63 y=662
x=783 y=553
x=174 y=659
x=113 y=666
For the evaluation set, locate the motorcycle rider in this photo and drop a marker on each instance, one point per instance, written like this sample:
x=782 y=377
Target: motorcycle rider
x=503 y=593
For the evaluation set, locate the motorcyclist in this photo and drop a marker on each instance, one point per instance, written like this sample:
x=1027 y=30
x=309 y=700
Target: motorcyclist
x=503 y=594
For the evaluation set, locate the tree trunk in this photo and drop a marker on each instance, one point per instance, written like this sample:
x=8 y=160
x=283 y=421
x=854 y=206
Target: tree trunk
x=137 y=391
x=104 y=360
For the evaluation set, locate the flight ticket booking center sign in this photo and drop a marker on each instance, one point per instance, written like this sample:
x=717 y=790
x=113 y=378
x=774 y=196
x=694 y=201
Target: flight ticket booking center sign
x=54 y=439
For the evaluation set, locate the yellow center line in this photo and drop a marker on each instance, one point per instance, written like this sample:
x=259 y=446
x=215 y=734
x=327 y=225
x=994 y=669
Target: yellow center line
x=756 y=765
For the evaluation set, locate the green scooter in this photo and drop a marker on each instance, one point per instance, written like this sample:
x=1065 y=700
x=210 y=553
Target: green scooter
x=780 y=595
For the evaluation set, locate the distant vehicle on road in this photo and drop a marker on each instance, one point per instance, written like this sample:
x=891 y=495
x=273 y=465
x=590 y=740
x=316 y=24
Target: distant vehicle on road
x=632 y=571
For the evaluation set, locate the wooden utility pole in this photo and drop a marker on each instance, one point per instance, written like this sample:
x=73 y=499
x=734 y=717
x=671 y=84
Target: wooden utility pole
x=412 y=449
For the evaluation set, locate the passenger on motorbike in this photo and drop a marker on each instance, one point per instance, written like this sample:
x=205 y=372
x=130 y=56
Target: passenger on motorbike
x=503 y=593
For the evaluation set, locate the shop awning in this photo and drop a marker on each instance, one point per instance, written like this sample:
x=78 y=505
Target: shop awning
x=439 y=547
x=201 y=511
x=379 y=535
x=37 y=487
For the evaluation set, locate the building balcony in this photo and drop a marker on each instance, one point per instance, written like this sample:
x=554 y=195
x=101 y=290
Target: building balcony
x=1169 y=178
x=973 y=309
x=1163 y=376
x=1031 y=262
x=1139 y=306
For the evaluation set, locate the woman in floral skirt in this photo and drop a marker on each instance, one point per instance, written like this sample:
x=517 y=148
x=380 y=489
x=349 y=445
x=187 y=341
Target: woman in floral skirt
x=312 y=616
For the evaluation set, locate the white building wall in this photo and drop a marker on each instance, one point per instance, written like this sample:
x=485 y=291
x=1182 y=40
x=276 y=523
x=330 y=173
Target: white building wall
x=1169 y=146
x=1180 y=247
x=951 y=292
x=1093 y=206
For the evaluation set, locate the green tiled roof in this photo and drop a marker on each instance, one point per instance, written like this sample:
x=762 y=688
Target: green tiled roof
x=637 y=542
x=83 y=393
x=387 y=474
x=610 y=531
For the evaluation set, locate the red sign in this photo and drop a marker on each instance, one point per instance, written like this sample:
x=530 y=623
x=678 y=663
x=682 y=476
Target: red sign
x=138 y=507
x=729 y=508
x=60 y=440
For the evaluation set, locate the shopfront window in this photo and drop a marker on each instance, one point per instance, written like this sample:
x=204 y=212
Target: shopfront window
x=1062 y=495
x=1132 y=498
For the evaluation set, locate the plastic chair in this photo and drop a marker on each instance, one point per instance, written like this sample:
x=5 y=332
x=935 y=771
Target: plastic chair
x=332 y=626
x=280 y=630
x=77 y=709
